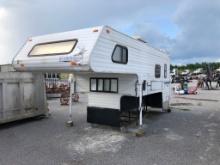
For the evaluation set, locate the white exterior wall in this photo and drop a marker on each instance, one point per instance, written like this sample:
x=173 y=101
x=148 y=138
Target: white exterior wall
x=126 y=86
x=141 y=57
x=104 y=100
x=141 y=60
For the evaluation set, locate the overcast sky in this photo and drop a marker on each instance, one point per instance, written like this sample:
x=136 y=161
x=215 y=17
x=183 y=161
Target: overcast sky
x=188 y=30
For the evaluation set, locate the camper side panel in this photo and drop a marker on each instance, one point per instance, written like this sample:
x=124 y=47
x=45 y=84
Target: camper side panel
x=126 y=86
x=142 y=59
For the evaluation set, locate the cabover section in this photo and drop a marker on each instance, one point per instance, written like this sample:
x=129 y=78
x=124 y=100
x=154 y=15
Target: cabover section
x=68 y=51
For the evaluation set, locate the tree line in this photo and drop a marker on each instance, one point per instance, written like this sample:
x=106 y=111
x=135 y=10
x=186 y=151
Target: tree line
x=192 y=67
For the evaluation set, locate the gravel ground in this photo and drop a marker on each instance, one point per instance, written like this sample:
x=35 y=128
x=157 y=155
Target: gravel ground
x=188 y=135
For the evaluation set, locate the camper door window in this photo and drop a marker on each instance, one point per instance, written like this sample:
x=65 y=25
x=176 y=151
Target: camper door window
x=53 y=48
x=165 y=70
x=120 y=54
x=109 y=85
x=157 y=71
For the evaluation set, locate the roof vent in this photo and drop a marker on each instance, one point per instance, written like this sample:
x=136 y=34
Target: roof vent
x=139 y=38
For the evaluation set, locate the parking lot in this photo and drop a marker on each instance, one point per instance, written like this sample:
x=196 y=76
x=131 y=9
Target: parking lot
x=188 y=135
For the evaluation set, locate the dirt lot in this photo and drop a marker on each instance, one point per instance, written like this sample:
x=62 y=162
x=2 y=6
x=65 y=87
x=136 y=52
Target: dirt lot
x=188 y=135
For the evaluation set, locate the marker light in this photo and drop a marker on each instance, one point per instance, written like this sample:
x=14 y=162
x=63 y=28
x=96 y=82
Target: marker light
x=95 y=30
x=73 y=63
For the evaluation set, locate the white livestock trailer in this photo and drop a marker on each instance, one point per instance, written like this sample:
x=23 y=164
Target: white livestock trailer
x=119 y=73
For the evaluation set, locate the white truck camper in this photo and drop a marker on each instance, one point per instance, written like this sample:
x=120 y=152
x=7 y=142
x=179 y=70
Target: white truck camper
x=119 y=73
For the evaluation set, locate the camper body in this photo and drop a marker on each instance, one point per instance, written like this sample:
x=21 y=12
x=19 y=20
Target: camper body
x=119 y=73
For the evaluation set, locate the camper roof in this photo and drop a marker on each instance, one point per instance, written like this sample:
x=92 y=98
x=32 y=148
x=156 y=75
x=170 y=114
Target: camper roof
x=80 y=50
x=57 y=47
